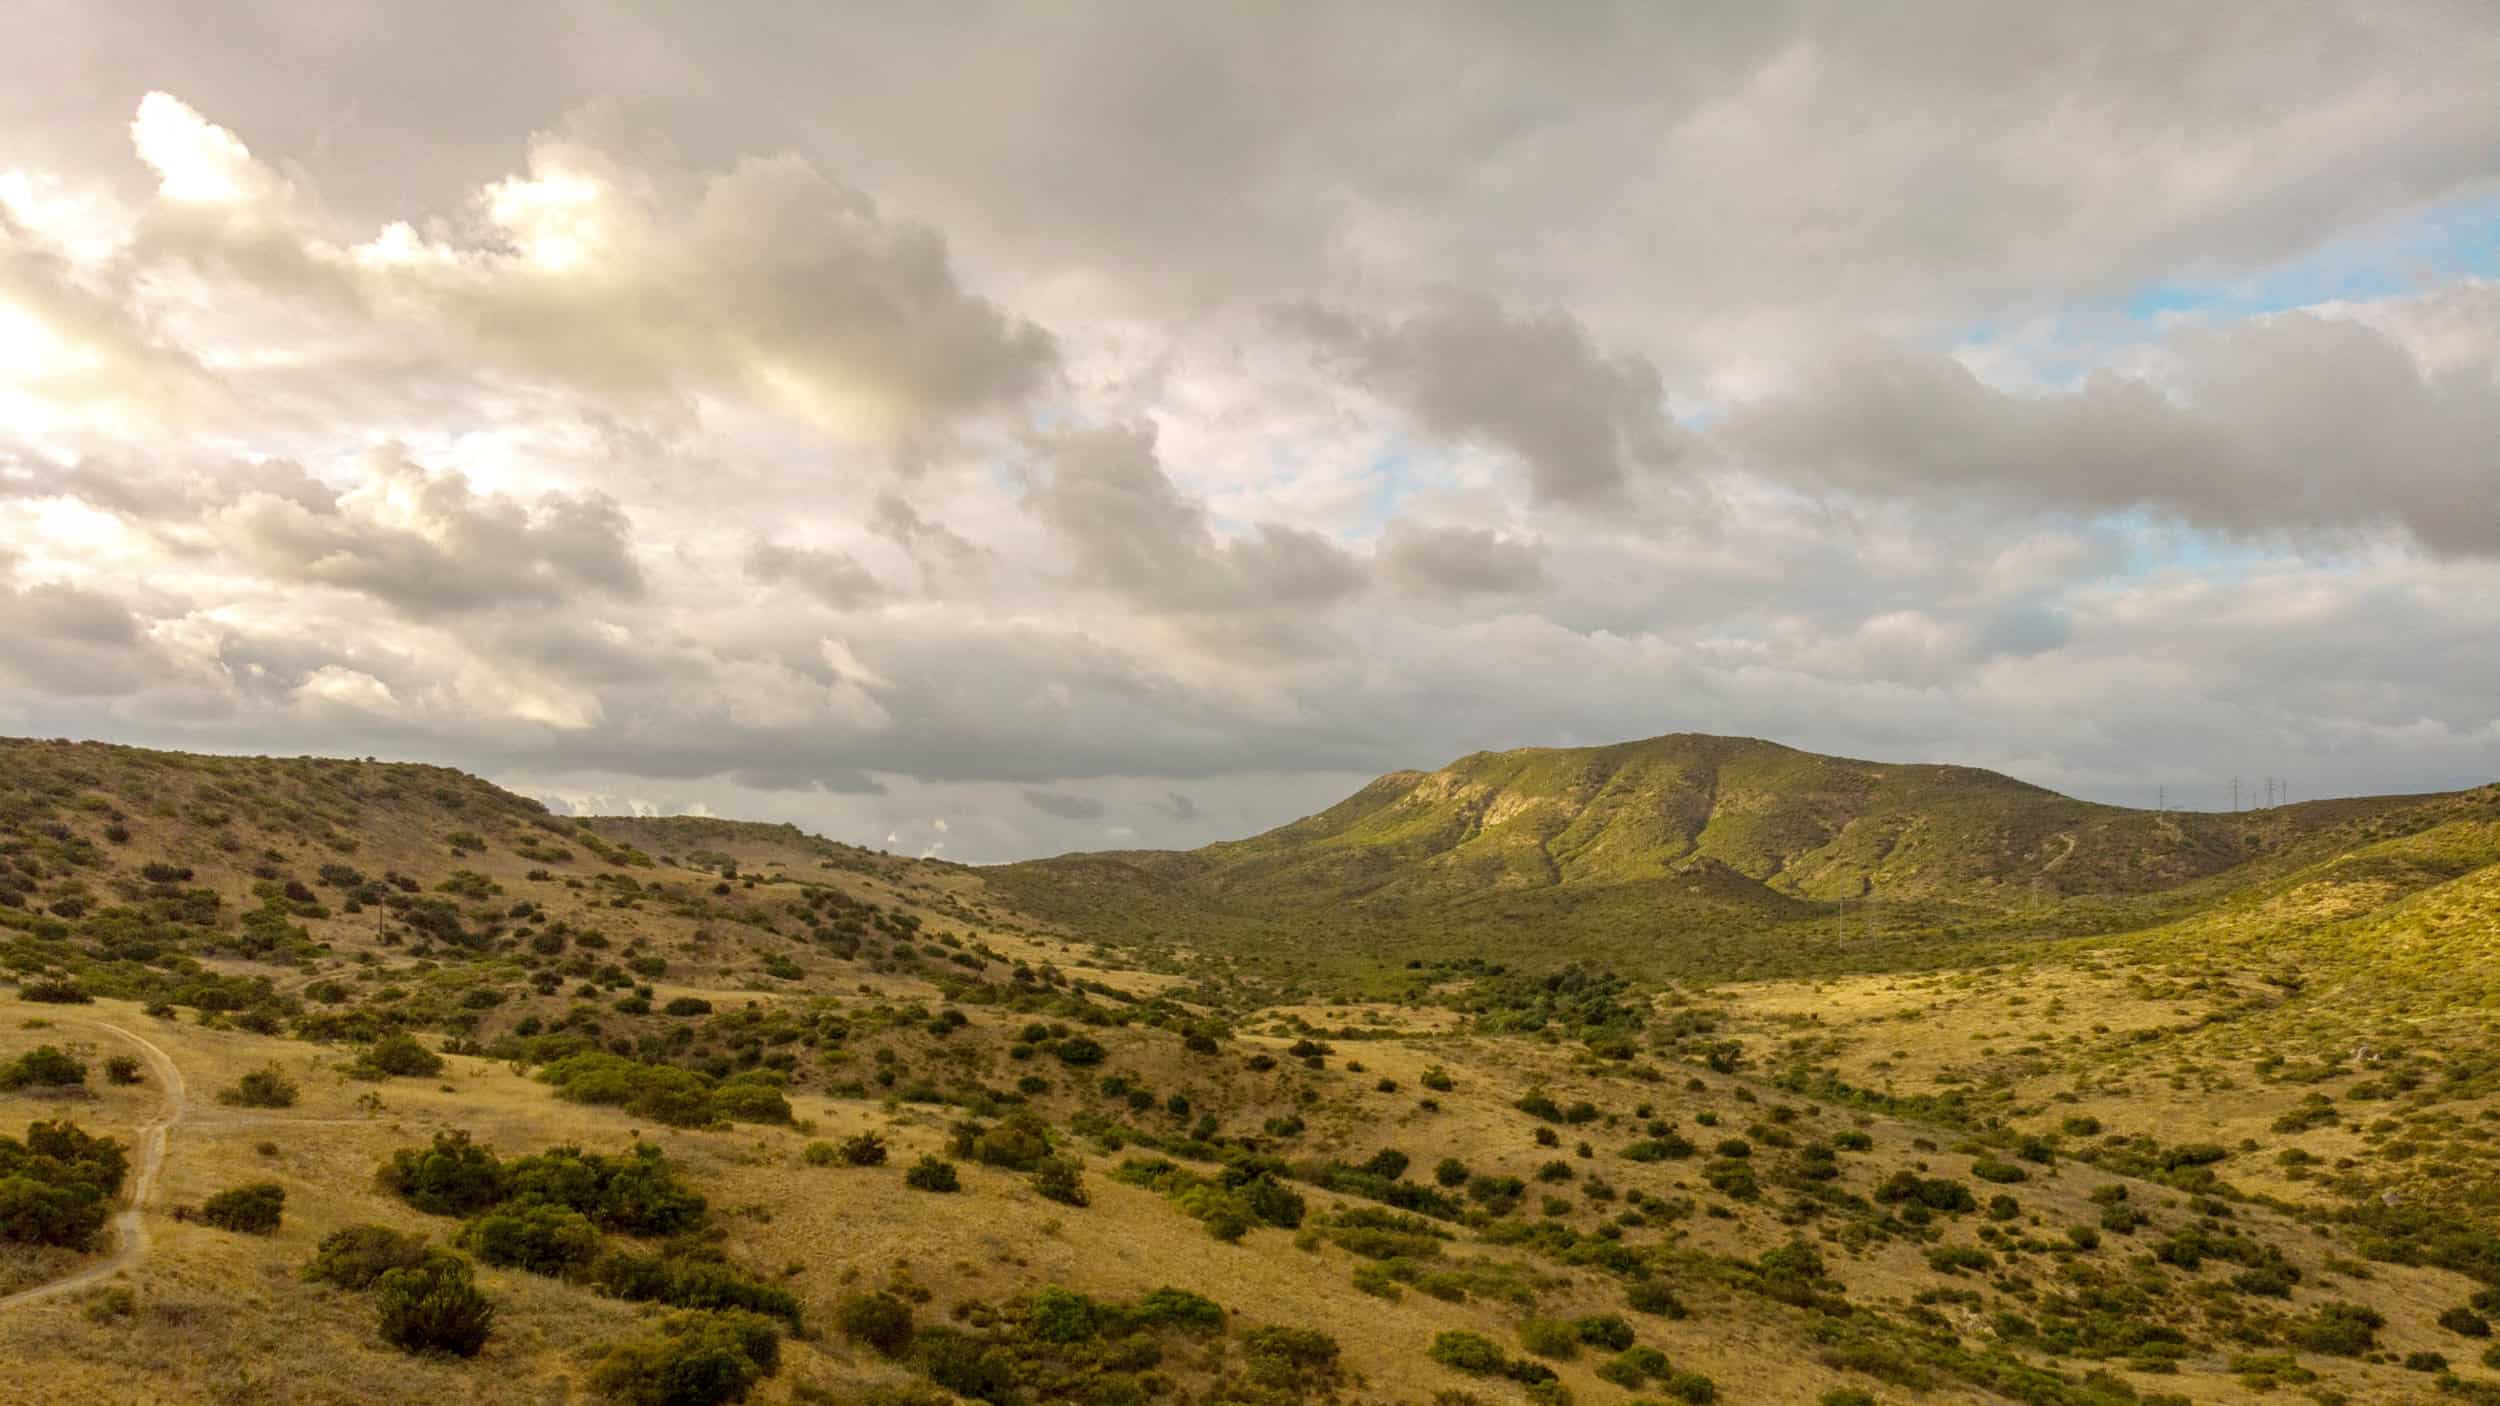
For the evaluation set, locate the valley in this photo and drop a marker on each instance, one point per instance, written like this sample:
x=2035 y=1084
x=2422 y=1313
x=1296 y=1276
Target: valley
x=1697 y=1069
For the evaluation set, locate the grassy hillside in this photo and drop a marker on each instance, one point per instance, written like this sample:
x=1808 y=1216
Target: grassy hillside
x=707 y=1111
x=1692 y=855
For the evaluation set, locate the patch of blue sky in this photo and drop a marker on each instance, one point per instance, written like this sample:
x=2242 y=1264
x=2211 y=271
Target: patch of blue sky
x=2418 y=251
x=2157 y=542
x=1394 y=477
x=2458 y=239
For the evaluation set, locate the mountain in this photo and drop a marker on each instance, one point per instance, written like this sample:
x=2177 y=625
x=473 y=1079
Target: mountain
x=1670 y=846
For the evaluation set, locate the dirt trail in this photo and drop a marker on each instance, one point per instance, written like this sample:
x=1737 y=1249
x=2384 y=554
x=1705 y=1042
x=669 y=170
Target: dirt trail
x=130 y=1229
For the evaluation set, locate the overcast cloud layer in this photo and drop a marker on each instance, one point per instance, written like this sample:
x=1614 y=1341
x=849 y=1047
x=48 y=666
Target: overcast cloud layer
x=991 y=433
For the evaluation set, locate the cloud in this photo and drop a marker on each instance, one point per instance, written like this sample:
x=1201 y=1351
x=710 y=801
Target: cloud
x=428 y=545
x=1585 y=424
x=2300 y=422
x=1129 y=530
x=830 y=576
x=876 y=426
x=1064 y=805
x=1451 y=561
x=608 y=269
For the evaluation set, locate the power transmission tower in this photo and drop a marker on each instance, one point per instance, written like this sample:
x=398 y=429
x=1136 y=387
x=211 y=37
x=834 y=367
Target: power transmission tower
x=2235 y=794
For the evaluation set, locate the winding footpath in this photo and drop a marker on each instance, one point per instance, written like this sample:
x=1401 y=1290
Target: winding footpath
x=130 y=1229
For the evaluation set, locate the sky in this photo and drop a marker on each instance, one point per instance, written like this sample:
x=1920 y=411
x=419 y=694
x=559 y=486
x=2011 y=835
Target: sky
x=996 y=430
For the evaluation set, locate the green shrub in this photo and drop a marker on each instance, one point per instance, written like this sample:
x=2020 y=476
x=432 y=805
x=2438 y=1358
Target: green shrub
x=1606 y=1330
x=2465 y=1322
x=1550 y=1337
x=433 y=1307
x=635 y=1194
x=696 y=1359
x=878 y=1321
x=1058 y=1179
x=123 y=1070
x=266 y=1087
x=539 y=1238
x=932 y=1173
x=1650 y=1297
x=820 y=1154
x=397 y=1054
x=57 y=1187
x=1462 y=1351
x=64 y=992
x=741 y=1102
x=1178 y=1308
x=43 y=1067
x=1290 y=1359
x=690 y=1279
x=663 y=1093
x=864 y=1150
x=1080 y=1051
x=686 y=1005
x=453 y=1177
x=354 y=1257
x=254 y=1209
x=2339 y=1329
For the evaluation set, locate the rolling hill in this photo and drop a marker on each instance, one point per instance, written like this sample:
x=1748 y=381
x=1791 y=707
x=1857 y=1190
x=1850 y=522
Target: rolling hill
x=1666 y=853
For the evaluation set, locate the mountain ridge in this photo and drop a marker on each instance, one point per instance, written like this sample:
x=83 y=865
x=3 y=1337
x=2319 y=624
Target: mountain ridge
x=1687 y=831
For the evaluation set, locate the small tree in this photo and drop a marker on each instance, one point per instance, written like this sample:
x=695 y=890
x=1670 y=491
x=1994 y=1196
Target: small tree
x=932 y=1174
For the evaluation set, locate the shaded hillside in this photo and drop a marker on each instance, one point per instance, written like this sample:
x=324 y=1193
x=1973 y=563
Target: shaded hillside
x=1693 y=839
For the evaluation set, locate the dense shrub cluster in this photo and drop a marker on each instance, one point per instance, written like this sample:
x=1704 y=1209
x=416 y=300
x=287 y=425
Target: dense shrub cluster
x=1245 y=1194
x=696 y=1358
x=667 y=1094
x=43 y=1067
x=57 y=1186
x=634 y=1194
x=253 y=1209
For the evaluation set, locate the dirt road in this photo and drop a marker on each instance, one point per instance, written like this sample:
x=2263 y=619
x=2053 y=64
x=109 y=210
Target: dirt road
x=130 y=1228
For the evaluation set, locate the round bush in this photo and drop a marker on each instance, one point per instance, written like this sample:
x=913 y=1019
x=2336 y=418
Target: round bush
x=433 y=1307
x=879 y=1321
x=255 y=1209
x=540 y=1239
